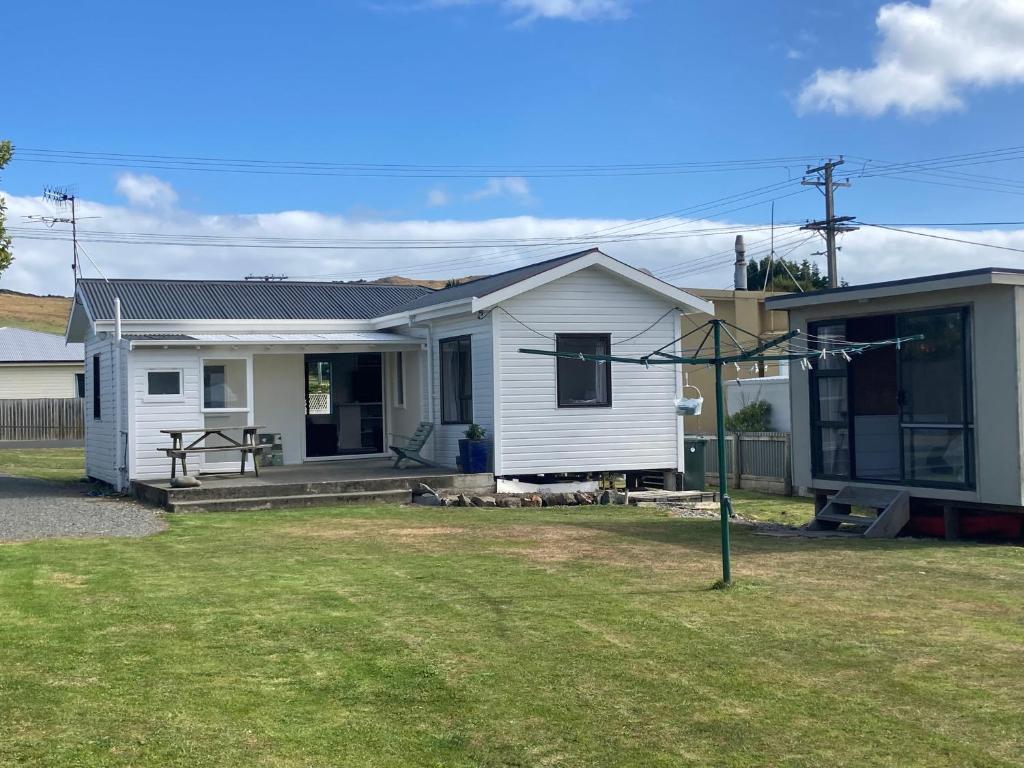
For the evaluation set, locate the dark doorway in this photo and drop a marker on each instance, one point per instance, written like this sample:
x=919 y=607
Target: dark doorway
x=344 y=404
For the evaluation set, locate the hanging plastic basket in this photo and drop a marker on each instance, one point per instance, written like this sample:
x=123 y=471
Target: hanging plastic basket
x=690 y=406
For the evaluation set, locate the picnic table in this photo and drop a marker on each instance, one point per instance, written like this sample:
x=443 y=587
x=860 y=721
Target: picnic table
x=179 y=451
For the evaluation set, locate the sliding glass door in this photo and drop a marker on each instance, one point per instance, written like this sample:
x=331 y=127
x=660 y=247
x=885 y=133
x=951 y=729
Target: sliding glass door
x=895 y=414
x=344 y=405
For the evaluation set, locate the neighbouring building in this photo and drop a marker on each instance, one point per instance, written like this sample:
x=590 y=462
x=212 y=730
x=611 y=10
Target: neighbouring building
x=36 y=365
x=747 y=310
x=940 y=417
x=343 y=370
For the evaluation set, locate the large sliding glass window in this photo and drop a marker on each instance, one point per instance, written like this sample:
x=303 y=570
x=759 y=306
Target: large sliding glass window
x=895 y=414
x=935 y=402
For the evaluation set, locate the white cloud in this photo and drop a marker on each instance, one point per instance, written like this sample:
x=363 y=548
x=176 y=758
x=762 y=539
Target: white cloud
x=146 y=191
x=574 y=10
x=928 y=58
x=505 y=186
x=531 y=10
x=41 y=266
x=438 y=197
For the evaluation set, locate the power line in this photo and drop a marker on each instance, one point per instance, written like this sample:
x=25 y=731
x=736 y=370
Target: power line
x=943 y=237
x=414 y=170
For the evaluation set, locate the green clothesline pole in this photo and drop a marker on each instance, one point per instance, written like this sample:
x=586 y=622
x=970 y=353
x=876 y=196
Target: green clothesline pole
x=723 y=487
x=758 y=355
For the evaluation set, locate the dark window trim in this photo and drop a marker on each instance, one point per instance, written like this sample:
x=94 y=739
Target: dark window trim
x=97 y=400
x=80 y=384
x=607 y=338
x=466 y=339
x=968 y=426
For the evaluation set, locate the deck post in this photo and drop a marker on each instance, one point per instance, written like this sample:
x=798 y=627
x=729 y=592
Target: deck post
x=951 y=522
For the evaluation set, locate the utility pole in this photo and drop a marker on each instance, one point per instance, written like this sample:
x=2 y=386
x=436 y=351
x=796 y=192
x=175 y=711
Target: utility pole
x=831 y=224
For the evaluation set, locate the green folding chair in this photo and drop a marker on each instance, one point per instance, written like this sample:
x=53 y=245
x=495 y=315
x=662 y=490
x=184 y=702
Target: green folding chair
x=411 y=450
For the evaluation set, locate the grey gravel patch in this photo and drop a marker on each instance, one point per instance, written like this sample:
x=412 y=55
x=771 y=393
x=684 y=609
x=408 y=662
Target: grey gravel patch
x=42 y=509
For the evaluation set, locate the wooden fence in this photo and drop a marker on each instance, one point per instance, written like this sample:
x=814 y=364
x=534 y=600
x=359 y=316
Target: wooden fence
x=42 y=419
x=755 y=461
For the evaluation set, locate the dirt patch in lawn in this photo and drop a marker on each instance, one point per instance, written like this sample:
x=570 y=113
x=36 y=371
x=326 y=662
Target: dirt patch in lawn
x=541 y=543
x=367 y=529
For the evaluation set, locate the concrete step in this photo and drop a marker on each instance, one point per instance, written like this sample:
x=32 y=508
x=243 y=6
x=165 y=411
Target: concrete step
x=860 y=521
x=297 y=500
x=212 y=490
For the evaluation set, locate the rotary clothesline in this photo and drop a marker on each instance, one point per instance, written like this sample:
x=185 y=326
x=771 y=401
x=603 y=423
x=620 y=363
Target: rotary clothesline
x=815 y=347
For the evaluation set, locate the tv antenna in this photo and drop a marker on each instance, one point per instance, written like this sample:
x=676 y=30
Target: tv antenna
x=63 y=197
x=266 y=278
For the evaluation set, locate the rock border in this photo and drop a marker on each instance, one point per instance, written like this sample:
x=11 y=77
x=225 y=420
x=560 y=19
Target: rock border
x=426 y=496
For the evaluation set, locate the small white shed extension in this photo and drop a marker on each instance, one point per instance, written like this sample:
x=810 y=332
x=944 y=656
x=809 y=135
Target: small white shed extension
x=343 y=370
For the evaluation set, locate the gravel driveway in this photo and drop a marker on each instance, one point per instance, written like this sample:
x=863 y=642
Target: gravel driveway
x=37 y=509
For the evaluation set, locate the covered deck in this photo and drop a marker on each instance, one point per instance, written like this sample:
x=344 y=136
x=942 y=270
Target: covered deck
x=311 y=484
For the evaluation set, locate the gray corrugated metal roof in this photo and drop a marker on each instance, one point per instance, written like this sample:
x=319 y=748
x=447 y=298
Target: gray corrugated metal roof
x=18 y=345
x=809 y=297
x=483 y=286
x=238 y=299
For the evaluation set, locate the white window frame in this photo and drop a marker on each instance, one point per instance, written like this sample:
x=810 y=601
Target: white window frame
x=178 y=398
x=398 y=393
x=247 y=359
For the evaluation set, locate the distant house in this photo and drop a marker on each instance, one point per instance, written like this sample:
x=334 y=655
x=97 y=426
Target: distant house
x=940 y=418
x=39 y=365
x=344 y=370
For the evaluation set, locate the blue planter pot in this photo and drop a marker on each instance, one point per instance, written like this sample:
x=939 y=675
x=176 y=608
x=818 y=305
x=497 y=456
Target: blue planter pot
x=475 y=455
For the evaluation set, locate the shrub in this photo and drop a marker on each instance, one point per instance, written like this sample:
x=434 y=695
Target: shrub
x=753 y=417
x=475 y=432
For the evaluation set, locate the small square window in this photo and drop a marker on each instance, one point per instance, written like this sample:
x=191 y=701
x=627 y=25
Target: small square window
x=163 y=383
x=584 y=383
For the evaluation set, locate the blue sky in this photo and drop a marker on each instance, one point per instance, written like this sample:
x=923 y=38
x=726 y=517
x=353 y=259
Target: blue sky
x=510 y=82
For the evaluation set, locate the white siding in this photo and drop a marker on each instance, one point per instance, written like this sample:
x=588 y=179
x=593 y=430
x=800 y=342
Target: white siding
x=446 y=436
x=279 y=396
x=150 y=415
x=33 y=381
x=100 y=434
x=403 y=420
x=639 y=431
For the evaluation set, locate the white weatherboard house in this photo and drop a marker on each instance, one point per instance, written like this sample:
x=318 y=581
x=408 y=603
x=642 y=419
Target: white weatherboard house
x=38 y=365
x=344 y=370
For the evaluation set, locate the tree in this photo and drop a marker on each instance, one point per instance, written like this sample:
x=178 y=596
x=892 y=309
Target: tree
x=5 y=240
x=808 y=276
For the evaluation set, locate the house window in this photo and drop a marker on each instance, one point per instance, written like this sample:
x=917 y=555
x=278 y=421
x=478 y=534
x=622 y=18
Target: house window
x=163 y=383
x=399 y=400
x=225 y=385
x=584 y=383
x=900 y=415
x=97 y=402
x=80 y=384
x=456 y=380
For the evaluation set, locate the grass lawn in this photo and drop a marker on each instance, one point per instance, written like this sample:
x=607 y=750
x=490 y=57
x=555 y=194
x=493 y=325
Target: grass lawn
x=390 y=636
x=63 y=464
